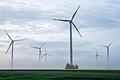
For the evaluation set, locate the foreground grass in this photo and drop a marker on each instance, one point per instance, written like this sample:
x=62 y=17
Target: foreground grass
x=59 y=75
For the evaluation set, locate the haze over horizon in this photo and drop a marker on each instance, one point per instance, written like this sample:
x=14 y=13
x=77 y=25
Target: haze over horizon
x=97 y=20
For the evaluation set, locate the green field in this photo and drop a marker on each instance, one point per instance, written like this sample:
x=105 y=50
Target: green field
x=59 y=74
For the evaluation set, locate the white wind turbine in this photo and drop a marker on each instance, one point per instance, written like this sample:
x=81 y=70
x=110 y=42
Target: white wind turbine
x=72 y=24
x=12 y=45
x=45 y=55
x=39 y=50
x=97 y=56
x=108 y=51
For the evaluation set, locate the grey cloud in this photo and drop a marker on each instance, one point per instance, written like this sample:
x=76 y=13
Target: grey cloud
x=98 y=23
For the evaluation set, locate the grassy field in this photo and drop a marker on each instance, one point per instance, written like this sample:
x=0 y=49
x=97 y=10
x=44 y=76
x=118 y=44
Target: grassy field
x=59 y=74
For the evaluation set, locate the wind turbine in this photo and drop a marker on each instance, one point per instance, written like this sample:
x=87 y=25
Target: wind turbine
x=12 y=45
x=39 y=50
x=108 y=51
x=45 y=55
x=97 y=56
x=70 y=21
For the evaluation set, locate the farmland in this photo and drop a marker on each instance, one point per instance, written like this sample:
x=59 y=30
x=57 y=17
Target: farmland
x=59 y=74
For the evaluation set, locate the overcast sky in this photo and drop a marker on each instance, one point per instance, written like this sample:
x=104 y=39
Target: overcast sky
x=97 y=20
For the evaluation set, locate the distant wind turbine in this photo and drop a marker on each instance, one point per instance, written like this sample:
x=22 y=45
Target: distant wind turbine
x=39 y=50
x=45 y=55
x=97 y=56
x=70 y=21
x=12 y=45
x=108 y=51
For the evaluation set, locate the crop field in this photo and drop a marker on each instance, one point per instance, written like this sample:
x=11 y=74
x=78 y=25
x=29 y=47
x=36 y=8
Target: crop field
x=59 y=74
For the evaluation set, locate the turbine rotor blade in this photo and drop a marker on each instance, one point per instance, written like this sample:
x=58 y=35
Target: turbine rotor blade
x=42 y=45
x=109 y=44
x=35 y=47
x=61 y=20
x=8 y=35
x=103 y=45
x=8 y=47
x=76 y=29
x=44 y=55
x=19 y=39
x=75 y=12
x=99 y=55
